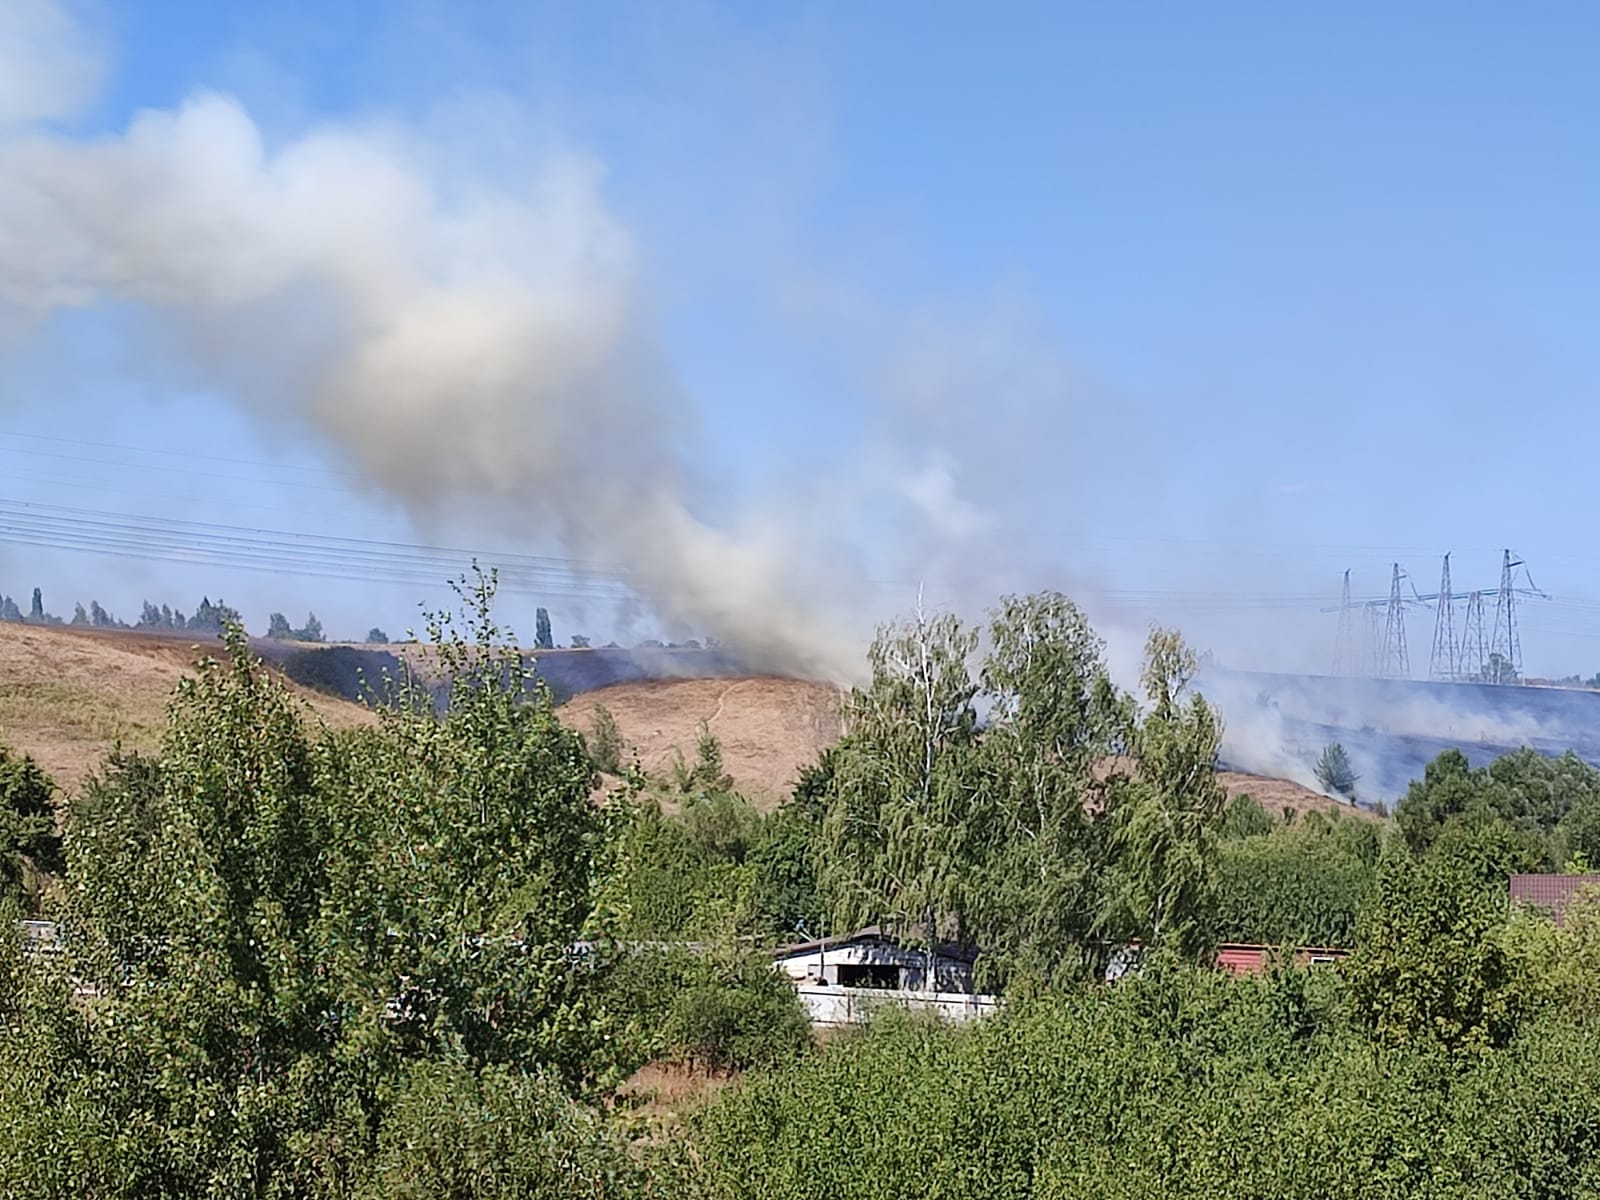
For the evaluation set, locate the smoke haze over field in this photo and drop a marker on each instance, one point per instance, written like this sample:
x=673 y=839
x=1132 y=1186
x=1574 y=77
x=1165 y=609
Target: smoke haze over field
x=464 y=346
x=749 y=309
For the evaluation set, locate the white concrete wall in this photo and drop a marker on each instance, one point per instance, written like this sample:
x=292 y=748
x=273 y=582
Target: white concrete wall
x=832 y=1006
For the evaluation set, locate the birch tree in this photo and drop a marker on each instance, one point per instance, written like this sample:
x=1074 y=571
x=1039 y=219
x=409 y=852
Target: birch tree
x=895 y=843
x=1056 y=724
x=1163 y=817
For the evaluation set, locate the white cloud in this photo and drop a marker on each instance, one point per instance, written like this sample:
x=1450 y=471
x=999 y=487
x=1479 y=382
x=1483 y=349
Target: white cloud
x=50 y=66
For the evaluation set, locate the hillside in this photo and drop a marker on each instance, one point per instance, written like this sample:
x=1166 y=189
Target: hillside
x=67 y=696
x=769 y=728
x=1276 y=795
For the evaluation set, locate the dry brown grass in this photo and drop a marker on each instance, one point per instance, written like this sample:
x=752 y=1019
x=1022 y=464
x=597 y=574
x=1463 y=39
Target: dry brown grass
x=1275 y=795
x=69 y=696
x=663 y=1094
x=769 y=728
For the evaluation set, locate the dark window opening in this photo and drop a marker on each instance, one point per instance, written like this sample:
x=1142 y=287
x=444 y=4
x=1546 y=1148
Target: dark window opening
x=869 y=975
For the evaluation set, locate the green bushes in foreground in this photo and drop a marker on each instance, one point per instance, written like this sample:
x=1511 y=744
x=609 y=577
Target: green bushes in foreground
x=1179 y=1085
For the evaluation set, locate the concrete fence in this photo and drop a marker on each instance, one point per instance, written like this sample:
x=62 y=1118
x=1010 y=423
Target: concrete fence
x=832 y=1006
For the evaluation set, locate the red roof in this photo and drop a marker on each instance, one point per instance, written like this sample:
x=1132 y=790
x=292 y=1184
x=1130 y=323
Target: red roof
x=1553 y=892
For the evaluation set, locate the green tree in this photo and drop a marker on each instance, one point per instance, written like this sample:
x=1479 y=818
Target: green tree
x=1431 y=962
x=278 y=628
x=36 y=609
x=542 y=638
x=1162 y=886
x=377 y=637
x=708 y=774
x=785 y=892
x=1298 y=884
x=1334 y=772
x=895 y=844
x=499 y=1134
x=29 y=844
x=283 y=924
x=80 y=615
x=1055 y=720
x=605 y=741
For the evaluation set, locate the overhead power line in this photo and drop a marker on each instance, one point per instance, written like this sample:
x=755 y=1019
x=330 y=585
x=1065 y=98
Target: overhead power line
x=166 y=540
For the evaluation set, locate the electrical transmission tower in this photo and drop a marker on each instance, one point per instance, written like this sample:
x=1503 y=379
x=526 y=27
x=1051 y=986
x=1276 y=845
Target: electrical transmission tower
x=1396 y=660
x=1505 y=652
x=1471 y=662
x=1344 y=649
x=1442 y=662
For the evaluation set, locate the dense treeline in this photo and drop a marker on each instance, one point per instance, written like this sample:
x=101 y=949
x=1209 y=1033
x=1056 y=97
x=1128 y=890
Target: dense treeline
x=207 y=617
x=417 y=959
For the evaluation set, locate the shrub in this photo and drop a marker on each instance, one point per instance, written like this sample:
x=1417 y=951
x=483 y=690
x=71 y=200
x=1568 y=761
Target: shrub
x=605 y=741
x=736 y=1014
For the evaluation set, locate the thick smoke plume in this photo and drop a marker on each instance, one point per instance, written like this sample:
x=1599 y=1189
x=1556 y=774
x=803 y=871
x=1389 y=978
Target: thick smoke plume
x=468 y=346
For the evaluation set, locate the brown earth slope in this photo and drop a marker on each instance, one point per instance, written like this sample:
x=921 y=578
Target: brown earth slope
x=1276 y=795
x=67 y=696
x=769 y=728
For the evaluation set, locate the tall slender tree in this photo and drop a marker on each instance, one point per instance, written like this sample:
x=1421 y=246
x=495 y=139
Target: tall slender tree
x=896 y=844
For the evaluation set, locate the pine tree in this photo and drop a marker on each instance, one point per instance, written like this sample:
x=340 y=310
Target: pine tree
x=1334 y=772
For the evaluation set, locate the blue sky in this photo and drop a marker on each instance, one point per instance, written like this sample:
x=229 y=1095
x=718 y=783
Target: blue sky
x=1184 y=305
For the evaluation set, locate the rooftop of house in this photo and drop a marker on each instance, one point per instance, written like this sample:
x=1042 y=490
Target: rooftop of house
x=876 y=934
x=1552 y=892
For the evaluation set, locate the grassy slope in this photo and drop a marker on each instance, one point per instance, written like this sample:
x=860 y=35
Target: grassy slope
x=769 y=728
x=68 y=696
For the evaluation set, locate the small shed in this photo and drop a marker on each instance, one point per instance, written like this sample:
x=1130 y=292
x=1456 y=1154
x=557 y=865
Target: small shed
x=1553 y=894
x=875 y=958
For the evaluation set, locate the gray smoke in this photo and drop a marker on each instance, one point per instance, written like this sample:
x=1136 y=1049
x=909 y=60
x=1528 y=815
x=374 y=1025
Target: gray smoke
x=470 y=346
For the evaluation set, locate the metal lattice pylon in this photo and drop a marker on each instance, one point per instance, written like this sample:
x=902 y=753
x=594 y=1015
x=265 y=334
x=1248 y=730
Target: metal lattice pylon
x=1471 y=660
x=1442 y=662
x=1506 y=645
x=1344 y=648
x=1396 y=659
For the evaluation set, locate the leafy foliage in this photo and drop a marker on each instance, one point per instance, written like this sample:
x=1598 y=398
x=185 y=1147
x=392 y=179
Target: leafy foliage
x=1524 y=811
x=605 y=741
x=735 y=1013
x=1431 y=963
x=1180 y=1084
x=1334 y=772
x=29 y=844
x=1164 y=817
x=284 y=927
x=1296 y=884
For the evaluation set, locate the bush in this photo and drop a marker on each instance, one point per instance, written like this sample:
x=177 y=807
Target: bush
x=499 y=1134
x=736 y=1014
x=1182 y=1085
x=29 y=844
x=605 y=741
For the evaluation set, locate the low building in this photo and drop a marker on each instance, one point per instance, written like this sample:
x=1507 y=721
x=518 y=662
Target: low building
x=873 y=958
x=842 y=980
x=1552 y=894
